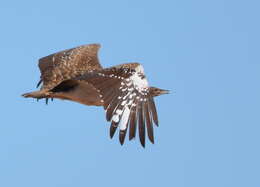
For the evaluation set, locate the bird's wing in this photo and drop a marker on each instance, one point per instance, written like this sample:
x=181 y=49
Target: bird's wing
x=127 y=100
x=68 y=64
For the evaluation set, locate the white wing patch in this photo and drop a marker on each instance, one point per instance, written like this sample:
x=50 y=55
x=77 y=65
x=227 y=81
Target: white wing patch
x=124 y=119
x=130 y=88
x=117 y=115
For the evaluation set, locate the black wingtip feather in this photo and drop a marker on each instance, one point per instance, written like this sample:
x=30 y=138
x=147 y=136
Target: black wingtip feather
x=122 y=136
x=132 y=122
x=149 y=123
x=143 y=144
x=113 y=128
x=141 y=125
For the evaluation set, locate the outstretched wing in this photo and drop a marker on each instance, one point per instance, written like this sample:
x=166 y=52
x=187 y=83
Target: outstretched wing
x=68 y=64
x=127 y=100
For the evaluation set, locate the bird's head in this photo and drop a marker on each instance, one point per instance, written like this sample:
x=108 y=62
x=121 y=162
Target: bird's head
x=157 y=91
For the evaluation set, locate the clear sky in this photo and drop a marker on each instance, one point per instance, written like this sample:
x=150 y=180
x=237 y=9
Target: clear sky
x=205 y=52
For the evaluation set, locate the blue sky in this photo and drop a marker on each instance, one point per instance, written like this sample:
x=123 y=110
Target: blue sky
x=205 y=52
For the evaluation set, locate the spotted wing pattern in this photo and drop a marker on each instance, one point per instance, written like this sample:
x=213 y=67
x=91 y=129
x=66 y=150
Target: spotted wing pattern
x=68 y=64
x=127 y=100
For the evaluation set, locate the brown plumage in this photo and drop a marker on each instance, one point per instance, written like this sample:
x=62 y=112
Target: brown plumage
x=76 y=74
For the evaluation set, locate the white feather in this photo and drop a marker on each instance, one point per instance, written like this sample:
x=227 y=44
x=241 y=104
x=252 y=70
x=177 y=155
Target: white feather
x=119 y=112
x=123 y=102
x=116 y=115
x=115 y=118
x=124 y=119
x=137 y=81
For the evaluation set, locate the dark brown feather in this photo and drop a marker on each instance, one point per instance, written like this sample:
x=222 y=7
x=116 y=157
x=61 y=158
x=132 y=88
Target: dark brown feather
x=108 y=97
x=113 y=128
x=153 y=111
x=149 y=124
x=102 y=82
x=115 y=103
x=111 y=108
x=122 y=134
x=141 y=124
x=132 y=127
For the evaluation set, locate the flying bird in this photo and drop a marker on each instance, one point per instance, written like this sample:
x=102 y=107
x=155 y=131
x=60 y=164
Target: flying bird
x=76 y=75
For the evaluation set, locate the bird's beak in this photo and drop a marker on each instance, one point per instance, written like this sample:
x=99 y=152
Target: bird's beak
x=165 y=91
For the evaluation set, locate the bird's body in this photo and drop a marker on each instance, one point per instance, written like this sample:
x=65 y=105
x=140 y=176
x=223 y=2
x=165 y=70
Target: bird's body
x=123 y=90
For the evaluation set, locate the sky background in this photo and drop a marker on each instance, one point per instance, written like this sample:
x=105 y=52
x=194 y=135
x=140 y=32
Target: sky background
x=205 y=52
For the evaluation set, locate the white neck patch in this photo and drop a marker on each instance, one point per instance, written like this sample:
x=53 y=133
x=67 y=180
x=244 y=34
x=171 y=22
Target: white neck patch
x=139 y=81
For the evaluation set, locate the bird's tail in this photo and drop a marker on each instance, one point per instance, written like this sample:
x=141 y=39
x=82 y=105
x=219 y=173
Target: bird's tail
x=37 y=94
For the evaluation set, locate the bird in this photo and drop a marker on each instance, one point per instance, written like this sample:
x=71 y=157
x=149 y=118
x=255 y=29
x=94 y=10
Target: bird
x=76 y=75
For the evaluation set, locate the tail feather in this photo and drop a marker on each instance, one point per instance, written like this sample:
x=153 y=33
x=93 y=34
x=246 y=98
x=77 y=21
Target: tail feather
x=36 y=94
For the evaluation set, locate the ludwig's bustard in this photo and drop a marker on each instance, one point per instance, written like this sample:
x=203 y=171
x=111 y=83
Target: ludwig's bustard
x=76 y=74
